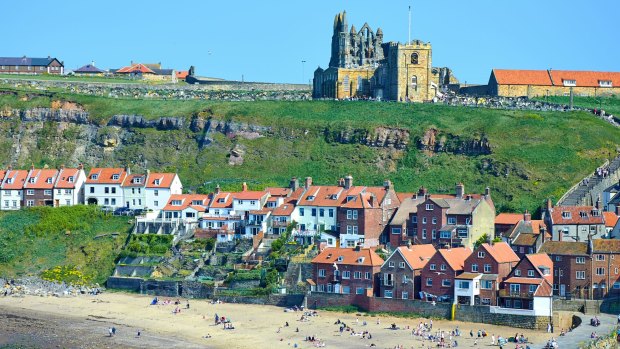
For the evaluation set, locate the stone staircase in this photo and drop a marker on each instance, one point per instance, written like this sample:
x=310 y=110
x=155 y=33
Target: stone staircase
x=588 y=190
x=295 y=274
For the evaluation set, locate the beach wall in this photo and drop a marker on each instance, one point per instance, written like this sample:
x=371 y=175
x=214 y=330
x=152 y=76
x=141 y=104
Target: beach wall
x=124 y=283
x=482 y=314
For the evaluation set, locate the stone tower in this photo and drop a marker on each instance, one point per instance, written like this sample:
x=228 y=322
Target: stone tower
x=340 y=40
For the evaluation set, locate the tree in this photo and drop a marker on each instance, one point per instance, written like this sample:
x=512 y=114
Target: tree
x=484 y=239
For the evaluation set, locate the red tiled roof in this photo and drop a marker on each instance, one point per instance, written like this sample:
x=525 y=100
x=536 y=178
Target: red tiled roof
x=18 y=178
x=522 y=77
x=508 y=218
x=544 y=290
x=284 y=210
x=585 y=78
x=187 y=200
x=323 y=196
x=282 y=192
x=136 y=67
x=610 y=219
x=455 y=257
x=182 y=74
x=131 y=180
x=249 y=195
x=417 y=255
x=501 y=252
x=165 y=180
x=43 y=179
x=541 y=260
x=63 y=178
x=226 y=197
x=105 y=176
x=575 y=215
x=522 y=280
x=350 y=256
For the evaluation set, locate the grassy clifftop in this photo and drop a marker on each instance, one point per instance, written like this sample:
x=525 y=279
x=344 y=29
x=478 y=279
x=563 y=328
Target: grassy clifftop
x=534 y=155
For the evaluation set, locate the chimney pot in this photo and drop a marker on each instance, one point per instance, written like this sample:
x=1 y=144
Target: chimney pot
x=487 y=191
x=217 y=189
x=422 y=191
x=308 y=182
x=244 y=186
x=348 y=182
x=80 y=166
x=527 y=217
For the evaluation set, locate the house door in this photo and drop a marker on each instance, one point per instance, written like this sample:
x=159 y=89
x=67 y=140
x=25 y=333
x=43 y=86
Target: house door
x=337 y=288
x=562 y=290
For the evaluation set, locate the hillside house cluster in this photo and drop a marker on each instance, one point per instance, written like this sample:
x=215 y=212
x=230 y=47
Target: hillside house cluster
x=109 y=187
x=491 y=275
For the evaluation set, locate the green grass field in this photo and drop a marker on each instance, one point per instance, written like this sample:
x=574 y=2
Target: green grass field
x=74 y=78
x=41 y=238
x=610 y=104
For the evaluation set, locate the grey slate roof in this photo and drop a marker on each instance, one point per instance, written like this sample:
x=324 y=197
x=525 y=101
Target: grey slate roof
x=89 y=68
x=162 y=71
x=26 y=61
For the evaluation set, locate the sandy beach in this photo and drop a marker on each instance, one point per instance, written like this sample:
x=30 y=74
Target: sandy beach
x=83 y=322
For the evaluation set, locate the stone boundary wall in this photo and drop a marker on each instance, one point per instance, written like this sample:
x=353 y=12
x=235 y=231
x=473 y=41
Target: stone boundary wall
x=124 y=283
x=482 y=314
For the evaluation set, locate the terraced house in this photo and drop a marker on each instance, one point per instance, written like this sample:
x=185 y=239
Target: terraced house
x=69 y=186
x=346 y=271
x=39 y=187
x=400 y=273
x=11 y=190
x=104 y=186
x=439 y=273
x=528 y=289
x=575 y=223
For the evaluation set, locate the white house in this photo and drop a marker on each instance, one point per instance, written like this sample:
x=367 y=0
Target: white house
x=316 y=210
x=467 y=286
x=220 y=219
x=134 y=191
x=247 y=200
x=575 y=223
x=256 y=222
x=69 y=186
x=104 y=186
x=11 y=190
x=159 y=188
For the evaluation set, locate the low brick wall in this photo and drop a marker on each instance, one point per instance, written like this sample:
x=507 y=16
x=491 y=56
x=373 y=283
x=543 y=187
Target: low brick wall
x=287 y=300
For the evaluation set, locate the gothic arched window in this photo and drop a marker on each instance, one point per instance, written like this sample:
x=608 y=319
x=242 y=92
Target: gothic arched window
x=345 y=83
x=414 y=83
x=414 y=58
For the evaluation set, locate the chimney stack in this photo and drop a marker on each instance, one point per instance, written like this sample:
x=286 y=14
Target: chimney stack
x=244 y=186
x=62 y=167
x=372 y=200
x=468 y=197
x=80 y=166
x=293 y=184
x=460 y=190
x=617 y=209
x=599 y=204
x=487 y=191
x=549 y=205
x=308 y=182
x=422 y=192
x=348 y=182
x=217 y=189
x=527 y=217
x=32 y=167
x=128 y=170
x=387 y=184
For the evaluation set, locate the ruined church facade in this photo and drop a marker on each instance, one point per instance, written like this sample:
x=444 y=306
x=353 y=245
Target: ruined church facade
x=363 y=66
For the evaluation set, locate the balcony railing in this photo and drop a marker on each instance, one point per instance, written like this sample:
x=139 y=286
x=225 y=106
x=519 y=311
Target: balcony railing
x=516 y=294
x=279 y=224
x=207 y=216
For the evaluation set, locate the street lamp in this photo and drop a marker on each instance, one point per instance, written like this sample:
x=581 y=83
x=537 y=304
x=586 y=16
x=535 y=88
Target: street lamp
x=303 y=71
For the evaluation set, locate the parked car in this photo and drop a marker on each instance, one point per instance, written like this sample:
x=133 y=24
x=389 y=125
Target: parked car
x=122 y=211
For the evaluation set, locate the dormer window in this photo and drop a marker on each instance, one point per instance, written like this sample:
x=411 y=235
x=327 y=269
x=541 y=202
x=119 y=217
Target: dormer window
x=9 y=180
x=360 y=260
x=176 y=202
x=570 y=82
x=70 y=179
x=596 y=213
x=583 y=214
x=333 y=196
x=310 y=197
x=94 y=177
x=33 y=180
x=350 y=197
x=115 y=177
x=157 y=181
x=137 y=180
x=49 y=180
x=221 y=200
x=340 y=258
x=566 y=215
x=605 y=83
x=197 y=202
x=329 y=256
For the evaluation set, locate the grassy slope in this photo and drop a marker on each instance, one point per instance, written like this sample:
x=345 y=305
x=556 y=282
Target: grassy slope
x=610 y=104
x=36 y=239
x=535 y=155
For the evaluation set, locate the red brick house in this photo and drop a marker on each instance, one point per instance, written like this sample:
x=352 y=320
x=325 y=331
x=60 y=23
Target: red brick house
x=585 y=270
x=438 y=275
x=485 y=268
x=529 y=284
x=400 y=273
x=346 y=271
x=454 y=222
x=39 y=187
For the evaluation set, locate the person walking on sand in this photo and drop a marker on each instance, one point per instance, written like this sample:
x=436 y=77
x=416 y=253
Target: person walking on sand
x=113 y=331
x=110 y=331
x=493 y=339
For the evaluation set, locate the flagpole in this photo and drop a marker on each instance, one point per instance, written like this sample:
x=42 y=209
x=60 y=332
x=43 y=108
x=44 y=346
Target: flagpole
x=409 y=28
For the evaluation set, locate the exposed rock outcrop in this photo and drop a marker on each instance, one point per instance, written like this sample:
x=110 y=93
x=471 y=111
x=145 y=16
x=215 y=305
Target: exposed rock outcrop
x=236 y=155
x=380 y=137
x=434 y=142
x=162 y=123
x=75 y=116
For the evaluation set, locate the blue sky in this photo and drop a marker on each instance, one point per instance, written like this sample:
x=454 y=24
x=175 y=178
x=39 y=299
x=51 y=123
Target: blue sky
x=267 y=40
